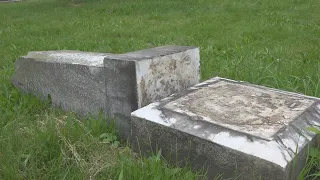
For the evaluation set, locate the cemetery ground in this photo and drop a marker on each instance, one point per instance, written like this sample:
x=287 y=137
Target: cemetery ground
x=271 y=43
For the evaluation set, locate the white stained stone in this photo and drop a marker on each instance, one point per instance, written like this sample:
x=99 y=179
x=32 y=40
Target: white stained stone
x=258 y=128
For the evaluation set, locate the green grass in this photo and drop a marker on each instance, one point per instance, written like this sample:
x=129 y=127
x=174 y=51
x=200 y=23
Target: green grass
x=272 y=43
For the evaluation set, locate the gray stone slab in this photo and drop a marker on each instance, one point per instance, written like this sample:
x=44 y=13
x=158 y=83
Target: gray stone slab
x=74 y=80
x=228 y=126
x=116 y=84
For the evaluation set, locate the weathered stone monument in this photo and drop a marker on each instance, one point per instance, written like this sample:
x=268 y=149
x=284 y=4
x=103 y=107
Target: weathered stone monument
x=116 y=84
x=232 y=128
x=229 y=127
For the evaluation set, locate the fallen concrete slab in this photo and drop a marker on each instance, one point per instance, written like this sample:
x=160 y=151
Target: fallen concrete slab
x=231 y=128
x=115 y=84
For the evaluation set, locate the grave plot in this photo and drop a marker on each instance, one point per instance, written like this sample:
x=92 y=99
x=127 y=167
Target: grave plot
x=231 y=128
x=116 y=84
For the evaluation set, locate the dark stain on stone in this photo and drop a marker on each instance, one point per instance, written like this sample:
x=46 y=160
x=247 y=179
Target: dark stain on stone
x=173 y=65
x=292 y=104
x=166 y=86
x=153 y=67
x=145 y=99
x=186 y=59
x=20 y=84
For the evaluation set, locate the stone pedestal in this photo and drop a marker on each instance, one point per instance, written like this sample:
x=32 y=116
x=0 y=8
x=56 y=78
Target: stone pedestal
x=116 y=84
x=231 y=128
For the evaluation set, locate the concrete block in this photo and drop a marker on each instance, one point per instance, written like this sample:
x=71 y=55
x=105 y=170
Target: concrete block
x=231 y=128
x=73 y=79
x=147 y=76
x=115 y=84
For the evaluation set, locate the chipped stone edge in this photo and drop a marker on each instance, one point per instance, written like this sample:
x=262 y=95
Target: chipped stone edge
x=52 y=57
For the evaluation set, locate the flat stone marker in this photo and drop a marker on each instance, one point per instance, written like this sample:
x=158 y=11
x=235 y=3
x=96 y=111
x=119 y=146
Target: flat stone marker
x=232 y=128
x=116 y=84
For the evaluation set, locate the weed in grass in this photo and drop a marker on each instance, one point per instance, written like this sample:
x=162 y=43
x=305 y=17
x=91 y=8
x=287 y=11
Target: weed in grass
x=312 y=169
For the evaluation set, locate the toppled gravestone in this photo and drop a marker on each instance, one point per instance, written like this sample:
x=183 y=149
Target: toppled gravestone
x=231 y=128
x=116 y=84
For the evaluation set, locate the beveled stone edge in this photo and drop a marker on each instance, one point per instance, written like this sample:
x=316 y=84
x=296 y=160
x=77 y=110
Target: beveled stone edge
x=283 y=143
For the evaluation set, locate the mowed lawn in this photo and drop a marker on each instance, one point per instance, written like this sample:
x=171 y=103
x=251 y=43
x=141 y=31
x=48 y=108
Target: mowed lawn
x=273 y=43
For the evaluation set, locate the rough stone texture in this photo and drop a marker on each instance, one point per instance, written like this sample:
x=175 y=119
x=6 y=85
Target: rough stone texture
x=227 y=126
x=147 y=76
x=116 y=84
x=165 y=71
x=74 y=80
x=242 y=108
